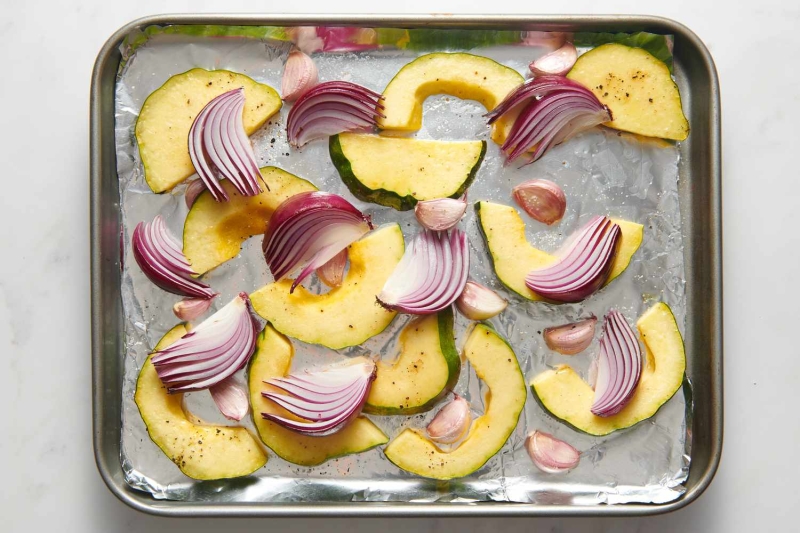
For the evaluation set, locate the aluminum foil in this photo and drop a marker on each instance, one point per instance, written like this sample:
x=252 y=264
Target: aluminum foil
x=601 y=171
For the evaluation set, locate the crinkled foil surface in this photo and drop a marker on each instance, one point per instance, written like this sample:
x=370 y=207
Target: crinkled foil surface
x=601 y=171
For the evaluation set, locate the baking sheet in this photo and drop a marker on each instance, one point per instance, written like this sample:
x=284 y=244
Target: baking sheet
x=601 y=172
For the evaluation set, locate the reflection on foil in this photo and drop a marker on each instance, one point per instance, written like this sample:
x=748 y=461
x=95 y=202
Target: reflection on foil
x=601 y=172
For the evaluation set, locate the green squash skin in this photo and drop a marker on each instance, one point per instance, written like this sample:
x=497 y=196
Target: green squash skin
x=447 y=345
x=491 y=257
x=546 y=410
x=685 y=385
x=383 y=196
x=446 y=482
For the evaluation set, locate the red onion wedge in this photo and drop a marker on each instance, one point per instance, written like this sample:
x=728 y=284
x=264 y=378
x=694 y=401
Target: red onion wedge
x=212 y=351
x=332 y=107
x=582 y=267
x=219 y=147
x=556 y=63
x=430 y=276
x=619 y=366
x=158 y=253
x=325 y=400
x=231 y=399
x=550 y=454
x=556 y=108
x=310 y=229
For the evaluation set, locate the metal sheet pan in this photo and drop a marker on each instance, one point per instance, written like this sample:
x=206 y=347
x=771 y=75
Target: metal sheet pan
x=699 y=190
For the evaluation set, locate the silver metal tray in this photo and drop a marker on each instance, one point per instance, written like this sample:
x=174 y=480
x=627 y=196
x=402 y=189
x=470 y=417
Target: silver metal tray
x=699 y=191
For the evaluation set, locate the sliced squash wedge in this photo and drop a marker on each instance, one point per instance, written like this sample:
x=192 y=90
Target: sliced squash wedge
x=513 y=257
x=465 y=76
x=346 y=315
x=214 y=231
x=162 y=130
x=496 y=365
x=427 y=367
x=566 y=396
x=200 y=450
x=399 y=172
x=273 y=358
x=636 y=87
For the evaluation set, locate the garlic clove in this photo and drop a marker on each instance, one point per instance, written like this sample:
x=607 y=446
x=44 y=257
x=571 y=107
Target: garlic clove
x=570 y=339
x=550 y=454
x=556 y=63
x=231 y=398
x=299 y=75
x=479 y=303
x=546 y=39
x=191 y=308
x=332 y=272
x=542 y=199
x=440 y=214
x=451 y=423
x=306 y=38
x=193 y=191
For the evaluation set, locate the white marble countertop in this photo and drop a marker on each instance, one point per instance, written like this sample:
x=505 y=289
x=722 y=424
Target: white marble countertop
x=47 y=49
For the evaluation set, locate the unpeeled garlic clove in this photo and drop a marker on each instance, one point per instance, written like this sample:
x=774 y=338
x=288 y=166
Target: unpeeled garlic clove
x=570 y=339
x=451 y=423
x=299 y=75
x=542 y=199
x=332 y=272
x=546 y=39
x=231 y=398
x=479 y=303
x=193 y=191
x=550 y=454
x=191 y=308
x=305 y=38
x=556 y=63
x=440 y=214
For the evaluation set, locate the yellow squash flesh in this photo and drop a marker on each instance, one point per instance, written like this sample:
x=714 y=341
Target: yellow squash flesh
x=496 y=365
x=513 y=257
x=428 y=366
x=346 y=315
x=201 y=451
x=464 y=76
x=398 y=172
x=214 y=231
x=273 y=358
x=162 y=130
x=636 y=87
x=566 y=396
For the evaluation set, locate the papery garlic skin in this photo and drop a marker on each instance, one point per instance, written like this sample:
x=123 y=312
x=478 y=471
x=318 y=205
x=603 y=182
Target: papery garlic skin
x=191 y=308
x=570 y=339
x=479 y=303
x=300 y=74
x=332 y=272
x=451 y=422
x=231 y=398
x=542 y=199
x=550 y=454
x=440 y=214
x=556 y=63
